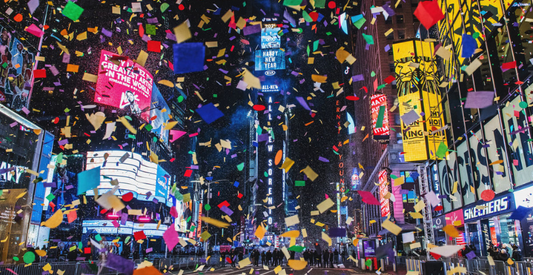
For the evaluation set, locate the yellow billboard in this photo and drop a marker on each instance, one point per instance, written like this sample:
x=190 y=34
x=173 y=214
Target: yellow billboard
x=463 y=16
x=418 y=90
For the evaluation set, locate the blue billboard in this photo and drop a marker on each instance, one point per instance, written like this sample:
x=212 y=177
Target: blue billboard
x=273 y=59
x=160 y=111
x=162 y=183
x=270 y=38
x=40 y=190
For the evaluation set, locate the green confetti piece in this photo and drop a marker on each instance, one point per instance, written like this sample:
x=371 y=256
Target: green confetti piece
x=180 y=99
x=511 y=190
x=215 y=95
x=164 y=7
x=151 y=29
x=299 y=183
x=296 y=248
x=207 y=207
x=154 y=139
x=240 y=166
x=379 y=122
x=306 y=17
x=98 y=237
x=16 y=259
x=50 y=197
x=381 y=86
x=372 y=74
x=522 y=104
x=72 y=11
x=265 y=174
x=315 y=45
x=66 y=110
x=131 y=136
x=148 y=127
x=128 y=118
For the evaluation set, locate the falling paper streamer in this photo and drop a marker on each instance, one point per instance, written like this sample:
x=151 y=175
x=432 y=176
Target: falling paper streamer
x=55 y=220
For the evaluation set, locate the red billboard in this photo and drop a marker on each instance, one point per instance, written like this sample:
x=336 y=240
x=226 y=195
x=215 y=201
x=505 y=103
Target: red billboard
x=383 y=190
x=380 y=116
x=124 y=84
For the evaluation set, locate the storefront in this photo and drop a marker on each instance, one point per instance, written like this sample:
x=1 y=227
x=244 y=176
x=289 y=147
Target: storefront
x=524 y=197
x=488 y=223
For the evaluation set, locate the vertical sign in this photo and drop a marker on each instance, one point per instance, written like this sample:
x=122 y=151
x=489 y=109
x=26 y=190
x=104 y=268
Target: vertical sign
x=383 y=191
x=380 y=116
x=496 y=155
x=340 y=151
x=480 y=172
x=465 y=172
x=516 y=125
x=418 y=91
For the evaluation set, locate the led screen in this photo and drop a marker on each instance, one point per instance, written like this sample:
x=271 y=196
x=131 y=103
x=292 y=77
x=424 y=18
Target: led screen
x=273 y=59
x=124 y=84
x=134 y=174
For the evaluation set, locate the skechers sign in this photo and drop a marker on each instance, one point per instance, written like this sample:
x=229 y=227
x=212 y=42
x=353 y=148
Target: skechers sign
x=494 y=207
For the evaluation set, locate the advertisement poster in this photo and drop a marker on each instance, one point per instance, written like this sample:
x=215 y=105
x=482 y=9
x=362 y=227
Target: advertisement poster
x=418 y=90
x=383 y=191
x=273 y=59
x=379 y=110
x=270 y=38
x=162 y=184
x=16 y=71
x=124 y=84
x=369 y=248
x=160 y=112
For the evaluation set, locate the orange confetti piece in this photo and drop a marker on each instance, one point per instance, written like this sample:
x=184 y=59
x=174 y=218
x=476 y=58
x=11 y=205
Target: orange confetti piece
x=18 y=17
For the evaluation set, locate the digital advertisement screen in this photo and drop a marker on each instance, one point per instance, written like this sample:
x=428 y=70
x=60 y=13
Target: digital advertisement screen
x=124 y=84
x=133 y=174
x=107 y=227
x=273 y=59
x=379 y=113
x=270 y=38
x=160 y=114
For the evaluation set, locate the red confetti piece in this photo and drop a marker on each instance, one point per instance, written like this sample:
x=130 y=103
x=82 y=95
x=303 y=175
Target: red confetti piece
x=487 y=195
x=18 y=17
x=332 y=4
x=39 y=73
x=188 y=173
x=352 y=98
x=154 y=46
x=259 y=108
x=127 y=197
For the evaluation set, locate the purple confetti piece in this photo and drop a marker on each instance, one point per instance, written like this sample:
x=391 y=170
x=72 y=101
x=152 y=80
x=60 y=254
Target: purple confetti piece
x=323 y=159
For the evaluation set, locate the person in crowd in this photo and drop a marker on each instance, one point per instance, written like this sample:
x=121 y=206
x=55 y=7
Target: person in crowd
x=517 y=254
x=256 y=257
x=331 y=256
x=503 y=256
x=275 y=257
x=293 y=254
x=325 y=257
x=318 y=258
x=241 y=256
x=136 y=254
x=306 y=255
x=72 y=255
x=263 y=257
x=336 y=256
x=268 y=257
x=311 y=256
x=343 y=255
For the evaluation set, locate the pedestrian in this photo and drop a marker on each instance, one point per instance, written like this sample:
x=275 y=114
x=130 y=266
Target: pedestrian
x=325 y=256
x=318 y=258
x=503 y=256
x=256 y=258
x=268 y=257
x=336 y=256
x=311 y=258
x=263 y=257
x=517 y=254
x=331 y=258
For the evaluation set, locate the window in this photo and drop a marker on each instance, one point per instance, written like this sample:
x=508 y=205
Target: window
x=399 y=19
x=399 y=6
x=389 y=20
x=414 y=3
x=391 y=67
x=401 y=34
x=390 y=36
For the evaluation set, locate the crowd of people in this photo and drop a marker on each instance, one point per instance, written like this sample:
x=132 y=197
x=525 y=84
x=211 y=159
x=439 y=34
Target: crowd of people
x=275 y=257
x=503 y=252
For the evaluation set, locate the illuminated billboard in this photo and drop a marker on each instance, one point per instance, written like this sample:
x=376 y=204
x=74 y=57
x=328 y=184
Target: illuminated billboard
x=464 y=16
x=107 y=227
x=383 y=191
x=380 y=116
x=124 y=84
x=270 y=38
x=271 y=59
x=418 y=91
x=133 y=173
